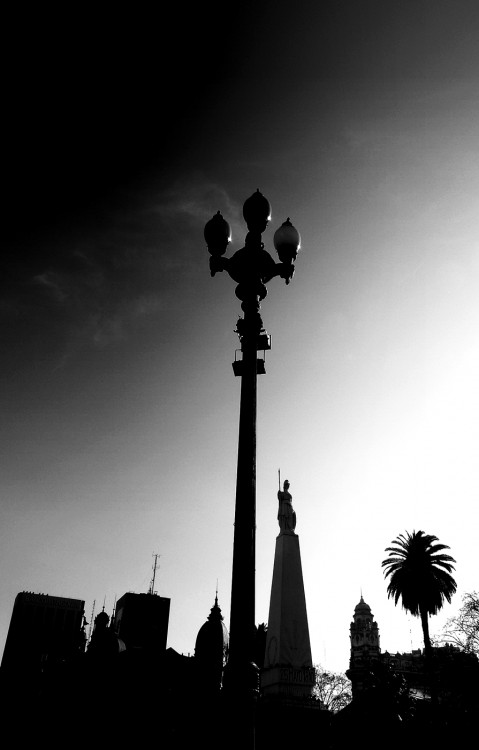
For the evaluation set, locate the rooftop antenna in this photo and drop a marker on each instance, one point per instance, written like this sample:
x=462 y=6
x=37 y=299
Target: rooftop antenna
x=151 y=590
x=279 y=480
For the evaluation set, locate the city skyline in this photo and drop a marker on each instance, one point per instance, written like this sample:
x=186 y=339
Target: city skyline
x=119 y=404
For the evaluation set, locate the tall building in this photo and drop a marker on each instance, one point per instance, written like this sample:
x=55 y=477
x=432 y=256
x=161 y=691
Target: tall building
x=44 y=631
x=288 y=667
x=365 y=651
x=141 y=621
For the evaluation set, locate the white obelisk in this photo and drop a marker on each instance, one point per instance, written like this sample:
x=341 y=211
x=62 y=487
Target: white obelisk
x=288 y=668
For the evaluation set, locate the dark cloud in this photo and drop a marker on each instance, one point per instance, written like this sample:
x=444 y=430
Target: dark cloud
x=75 y=291
x=90 y=286
x=98 y=104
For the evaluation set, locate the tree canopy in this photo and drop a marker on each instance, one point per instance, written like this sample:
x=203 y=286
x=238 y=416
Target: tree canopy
x=463 y=629
x=332 y=689
x=419 y=573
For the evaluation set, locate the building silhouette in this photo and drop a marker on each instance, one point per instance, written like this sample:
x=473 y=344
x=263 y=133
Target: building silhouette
x=104 y=642
x=141 y=621
x=127 y=688
x=369 y=667
x=44 y=632
x=365 y=650
x=211 y=651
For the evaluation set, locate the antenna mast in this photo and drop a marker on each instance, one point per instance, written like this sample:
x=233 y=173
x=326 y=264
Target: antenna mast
x=151 y=590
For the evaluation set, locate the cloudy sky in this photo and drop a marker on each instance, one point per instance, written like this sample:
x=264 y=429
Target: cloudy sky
x=126 y=131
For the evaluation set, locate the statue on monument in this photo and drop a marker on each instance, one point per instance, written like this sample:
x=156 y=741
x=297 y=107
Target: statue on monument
x=286 y=514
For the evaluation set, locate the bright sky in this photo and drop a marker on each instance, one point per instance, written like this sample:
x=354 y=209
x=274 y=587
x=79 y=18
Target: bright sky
x=360 y=121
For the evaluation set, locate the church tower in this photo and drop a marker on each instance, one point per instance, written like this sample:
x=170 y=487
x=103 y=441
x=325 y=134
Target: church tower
x=288 y=667
x=211 y=650
x=365 y=651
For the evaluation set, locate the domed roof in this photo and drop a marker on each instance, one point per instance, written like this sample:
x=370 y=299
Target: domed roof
x=212 y=638
x=102 y=619
x=362 y=607
x=104 y=642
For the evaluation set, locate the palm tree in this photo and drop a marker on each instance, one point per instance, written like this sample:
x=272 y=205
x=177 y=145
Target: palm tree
x=419 y=573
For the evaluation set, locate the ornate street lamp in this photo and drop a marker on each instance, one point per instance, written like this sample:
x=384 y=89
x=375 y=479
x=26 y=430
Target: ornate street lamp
x=252 y=267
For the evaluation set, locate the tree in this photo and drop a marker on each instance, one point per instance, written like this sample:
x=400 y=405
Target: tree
x=332 y=689
x=419 y=574
x=388 y=691
x=463 y=629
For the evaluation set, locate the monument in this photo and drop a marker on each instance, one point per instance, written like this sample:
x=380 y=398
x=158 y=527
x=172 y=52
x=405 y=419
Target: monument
x=288 y=672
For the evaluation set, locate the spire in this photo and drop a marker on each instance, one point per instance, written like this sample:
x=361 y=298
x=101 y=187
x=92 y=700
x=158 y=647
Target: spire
x=215 y=612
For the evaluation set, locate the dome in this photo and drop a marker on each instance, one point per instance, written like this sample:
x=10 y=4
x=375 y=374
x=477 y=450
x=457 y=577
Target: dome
x=362 y=608
x=104 y=642
x=212 y=638
x=102 y=620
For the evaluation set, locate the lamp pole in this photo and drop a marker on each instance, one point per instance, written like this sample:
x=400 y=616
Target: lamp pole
x=251 y=267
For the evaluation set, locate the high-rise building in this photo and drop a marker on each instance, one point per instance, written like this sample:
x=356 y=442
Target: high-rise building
x=44 y=631
x=141 y=621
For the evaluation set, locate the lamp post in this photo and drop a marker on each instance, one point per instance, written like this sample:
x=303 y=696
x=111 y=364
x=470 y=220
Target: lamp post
x=251 y=267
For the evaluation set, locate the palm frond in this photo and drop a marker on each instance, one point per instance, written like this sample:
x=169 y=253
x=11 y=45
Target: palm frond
x=418 y=572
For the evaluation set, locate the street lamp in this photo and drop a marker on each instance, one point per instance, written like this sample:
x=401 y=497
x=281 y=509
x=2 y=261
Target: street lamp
x=252 y=267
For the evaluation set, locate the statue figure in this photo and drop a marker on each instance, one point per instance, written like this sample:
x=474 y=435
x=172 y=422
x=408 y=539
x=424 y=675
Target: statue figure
x=286 y=514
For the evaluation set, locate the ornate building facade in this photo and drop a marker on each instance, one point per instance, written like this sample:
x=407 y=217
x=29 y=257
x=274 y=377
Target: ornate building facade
x=365 y=650
x=368 y=666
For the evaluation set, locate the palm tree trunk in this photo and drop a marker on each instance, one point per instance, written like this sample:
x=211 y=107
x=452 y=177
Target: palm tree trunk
x=425 y=632
x=428 y=654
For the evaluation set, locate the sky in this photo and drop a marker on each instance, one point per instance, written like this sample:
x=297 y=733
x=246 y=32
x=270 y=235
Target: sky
x=125 y=132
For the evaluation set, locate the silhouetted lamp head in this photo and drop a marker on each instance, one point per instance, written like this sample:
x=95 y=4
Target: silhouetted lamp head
x=287 y=242
x=217 y=234
x=257 y=212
